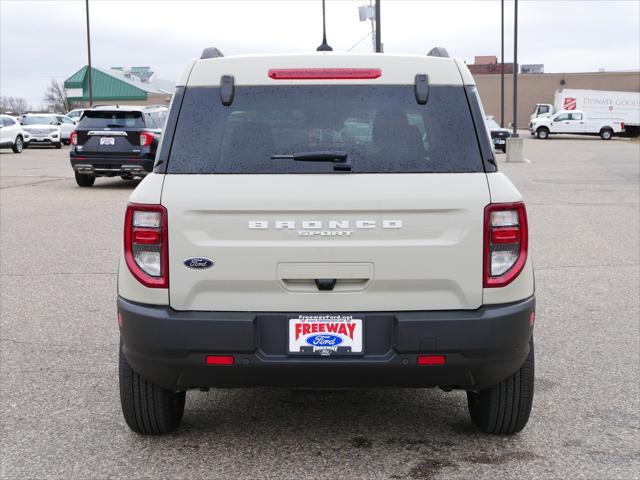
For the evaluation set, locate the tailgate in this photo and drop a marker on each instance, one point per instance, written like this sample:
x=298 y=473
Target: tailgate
x=390 y=242
x=109 y=142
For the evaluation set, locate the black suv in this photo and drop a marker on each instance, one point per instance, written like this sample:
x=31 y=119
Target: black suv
x=116 y=140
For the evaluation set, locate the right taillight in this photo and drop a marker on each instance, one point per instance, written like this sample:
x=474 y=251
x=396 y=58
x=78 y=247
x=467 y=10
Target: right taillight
x=505 y=242
x=145 y=244
x=73 y=138
x=146 y=138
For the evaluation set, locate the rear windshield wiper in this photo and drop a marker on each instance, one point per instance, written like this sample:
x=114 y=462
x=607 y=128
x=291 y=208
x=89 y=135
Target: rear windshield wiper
x=315 y=156
x=338 y=158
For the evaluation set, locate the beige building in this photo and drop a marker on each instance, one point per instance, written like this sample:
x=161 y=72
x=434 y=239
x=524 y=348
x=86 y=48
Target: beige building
x=540 y=88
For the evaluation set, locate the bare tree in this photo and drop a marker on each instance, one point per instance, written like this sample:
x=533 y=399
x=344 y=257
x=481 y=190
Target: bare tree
x=17 y=105
x=56 y=97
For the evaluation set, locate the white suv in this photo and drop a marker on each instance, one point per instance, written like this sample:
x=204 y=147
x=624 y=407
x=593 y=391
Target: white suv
x=12 y=135
x=43 y=129
x=315 y=221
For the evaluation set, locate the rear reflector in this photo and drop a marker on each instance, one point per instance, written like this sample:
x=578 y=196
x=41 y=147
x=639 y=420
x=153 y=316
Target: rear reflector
x=432 y=359
x=219 y=360
x=324 y=73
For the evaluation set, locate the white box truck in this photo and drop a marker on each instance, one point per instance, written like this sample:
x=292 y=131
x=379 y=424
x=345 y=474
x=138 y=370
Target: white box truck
x=596 y=104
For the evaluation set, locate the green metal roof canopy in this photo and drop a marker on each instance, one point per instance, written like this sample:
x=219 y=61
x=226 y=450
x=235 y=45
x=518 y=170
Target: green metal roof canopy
x=105 y=86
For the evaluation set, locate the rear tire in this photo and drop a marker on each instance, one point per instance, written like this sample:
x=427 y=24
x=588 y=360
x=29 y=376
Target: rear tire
x=147 y=408
x=85 y=180
x=18 y=145
x=606 y=134
x=542 y=133
x=505 y=407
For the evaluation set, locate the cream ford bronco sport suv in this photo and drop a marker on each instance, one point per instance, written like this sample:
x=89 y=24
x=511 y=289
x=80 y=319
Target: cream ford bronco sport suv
x=326 y=220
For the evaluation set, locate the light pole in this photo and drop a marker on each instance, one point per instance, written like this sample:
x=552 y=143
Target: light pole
x=515 y=70
x=502 y=63
x=515 y=143
x=89 y=56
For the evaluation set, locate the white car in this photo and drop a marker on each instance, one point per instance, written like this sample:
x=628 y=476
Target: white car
x=67 y=125
x=12 y=135
x=43 y=129
x=312 y=220
x=75 y=114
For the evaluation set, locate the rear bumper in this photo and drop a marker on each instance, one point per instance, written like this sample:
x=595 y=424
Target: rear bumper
x=482 y=347
x=112 y=166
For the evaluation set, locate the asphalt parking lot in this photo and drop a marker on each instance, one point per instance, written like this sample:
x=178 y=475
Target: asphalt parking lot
x=60 y=410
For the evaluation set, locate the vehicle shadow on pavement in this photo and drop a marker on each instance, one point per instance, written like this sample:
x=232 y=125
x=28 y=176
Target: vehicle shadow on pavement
x=337 y=413
x=425 y=430
x=115 y=184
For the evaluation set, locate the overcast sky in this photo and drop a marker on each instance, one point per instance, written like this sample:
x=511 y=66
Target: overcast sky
x=41 y=40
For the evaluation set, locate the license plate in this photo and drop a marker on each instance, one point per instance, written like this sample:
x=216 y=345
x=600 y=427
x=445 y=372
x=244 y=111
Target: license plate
x=40 y=139
x=107 y=141
x=498 y=141
x=325 y=335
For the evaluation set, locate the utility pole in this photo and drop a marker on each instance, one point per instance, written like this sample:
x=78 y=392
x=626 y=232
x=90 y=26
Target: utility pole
x=502 y=63
x=378 y=36
x=89 y=56
x=515 y=69
x=368 y=12
x=373 y=27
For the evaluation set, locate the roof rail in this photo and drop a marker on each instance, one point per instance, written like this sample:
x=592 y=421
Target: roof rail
x=438 y=52
x=211 y=52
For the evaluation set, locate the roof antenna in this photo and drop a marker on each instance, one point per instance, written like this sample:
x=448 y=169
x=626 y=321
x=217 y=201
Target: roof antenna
x=324 y=47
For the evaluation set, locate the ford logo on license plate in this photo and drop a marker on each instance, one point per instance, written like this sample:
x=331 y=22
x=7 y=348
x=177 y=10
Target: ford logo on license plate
x=324 y=340
x=199 y=262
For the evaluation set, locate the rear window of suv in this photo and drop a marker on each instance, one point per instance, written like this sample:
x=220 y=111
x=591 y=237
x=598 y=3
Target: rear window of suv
x=381 y=128
x=111 y=119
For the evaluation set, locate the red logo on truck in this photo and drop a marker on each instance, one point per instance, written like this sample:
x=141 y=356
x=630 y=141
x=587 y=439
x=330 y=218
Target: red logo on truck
x=345 y=329
x=570 y=103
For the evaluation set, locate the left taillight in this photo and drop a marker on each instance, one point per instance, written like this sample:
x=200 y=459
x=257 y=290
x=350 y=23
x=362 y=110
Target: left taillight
x=505 y=243
x=73 y=138
x=146 y=138
x=146 y=246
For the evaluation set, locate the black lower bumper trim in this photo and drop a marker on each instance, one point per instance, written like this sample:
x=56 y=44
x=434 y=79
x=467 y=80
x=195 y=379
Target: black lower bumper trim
x=110 y=166
x=482 y=347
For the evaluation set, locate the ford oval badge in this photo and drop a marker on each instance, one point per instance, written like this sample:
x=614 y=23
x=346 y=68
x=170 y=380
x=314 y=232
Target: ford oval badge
x=324 y=340
x=199 y=262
